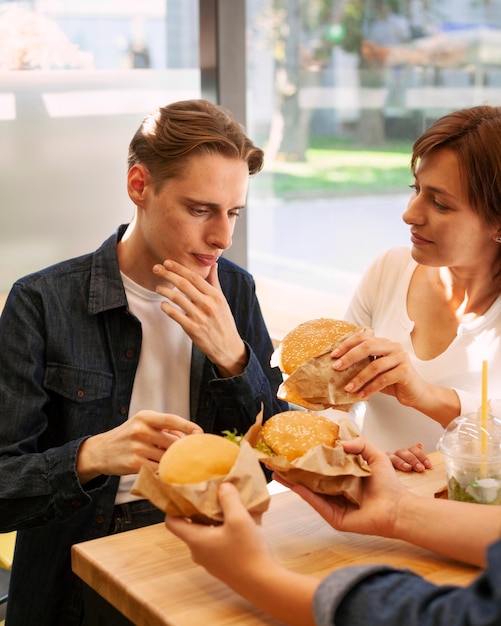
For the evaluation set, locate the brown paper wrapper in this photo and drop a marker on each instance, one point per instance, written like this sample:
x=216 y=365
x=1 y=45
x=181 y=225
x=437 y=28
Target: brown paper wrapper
x=442 y=493
x=324 y=470
x=314 y=385
x=199 y=501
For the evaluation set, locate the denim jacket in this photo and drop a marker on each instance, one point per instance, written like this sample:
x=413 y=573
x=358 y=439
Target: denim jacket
x=385 y=596
x=68 y=357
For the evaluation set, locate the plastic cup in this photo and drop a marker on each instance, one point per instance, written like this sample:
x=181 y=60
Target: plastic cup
x=472 y=457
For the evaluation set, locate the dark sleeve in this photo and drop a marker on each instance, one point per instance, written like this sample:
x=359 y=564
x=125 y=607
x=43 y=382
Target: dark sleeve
x=36 y=484
x=384 y=596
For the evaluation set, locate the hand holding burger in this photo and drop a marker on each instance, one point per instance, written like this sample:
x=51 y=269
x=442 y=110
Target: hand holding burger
x=304 y=357
x=190 y=472
x=305 y=448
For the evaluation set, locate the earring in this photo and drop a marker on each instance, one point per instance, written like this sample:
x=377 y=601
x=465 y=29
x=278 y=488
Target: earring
x=497 y=239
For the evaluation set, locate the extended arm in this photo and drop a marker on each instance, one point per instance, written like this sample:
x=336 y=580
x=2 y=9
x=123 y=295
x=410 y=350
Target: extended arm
x=389 y=509
x=254 y=574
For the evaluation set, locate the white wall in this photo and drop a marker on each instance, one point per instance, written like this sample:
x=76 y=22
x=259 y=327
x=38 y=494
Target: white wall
x=64 y=138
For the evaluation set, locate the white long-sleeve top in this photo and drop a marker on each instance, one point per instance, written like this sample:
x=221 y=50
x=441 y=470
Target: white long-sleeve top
x=380 y=301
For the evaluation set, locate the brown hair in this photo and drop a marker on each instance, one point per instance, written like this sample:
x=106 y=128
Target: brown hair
x=169 y=136
x=474 y=134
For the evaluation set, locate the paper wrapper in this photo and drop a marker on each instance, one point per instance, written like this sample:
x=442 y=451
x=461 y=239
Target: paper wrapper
x=324 y=470
x=199 y=501
x=314 y=385
x=442 y=493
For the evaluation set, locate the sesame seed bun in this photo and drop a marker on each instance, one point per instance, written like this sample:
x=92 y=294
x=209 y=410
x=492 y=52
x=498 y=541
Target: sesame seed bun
x=292 y=433
x=303 y=356
x=308 y=340
x=197 y=458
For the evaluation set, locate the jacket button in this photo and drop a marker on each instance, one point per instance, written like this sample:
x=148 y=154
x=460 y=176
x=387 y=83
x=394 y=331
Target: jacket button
x=122 y=410
x=80 y=393
x=100 y=519
x=129 y=353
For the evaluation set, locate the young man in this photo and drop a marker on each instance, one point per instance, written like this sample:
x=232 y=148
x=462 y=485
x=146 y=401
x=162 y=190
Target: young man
x=107 y=358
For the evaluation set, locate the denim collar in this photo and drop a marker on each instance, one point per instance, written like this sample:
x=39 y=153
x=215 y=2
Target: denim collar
x=106 y=286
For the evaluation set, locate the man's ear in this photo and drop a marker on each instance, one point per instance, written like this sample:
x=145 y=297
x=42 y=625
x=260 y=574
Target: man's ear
x=138 y=179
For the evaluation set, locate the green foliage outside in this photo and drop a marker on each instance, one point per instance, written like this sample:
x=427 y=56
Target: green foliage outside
x=338 y=168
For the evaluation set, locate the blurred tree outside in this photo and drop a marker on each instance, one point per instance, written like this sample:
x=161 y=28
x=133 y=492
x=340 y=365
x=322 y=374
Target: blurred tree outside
x=380 y=28
x=300 y=49
x=303 y=34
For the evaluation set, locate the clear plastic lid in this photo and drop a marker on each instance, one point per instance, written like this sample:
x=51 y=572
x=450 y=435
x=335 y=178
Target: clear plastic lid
x=466 y=436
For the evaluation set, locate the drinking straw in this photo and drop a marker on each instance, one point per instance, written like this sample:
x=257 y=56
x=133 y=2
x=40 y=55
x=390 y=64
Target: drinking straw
x=484 y=411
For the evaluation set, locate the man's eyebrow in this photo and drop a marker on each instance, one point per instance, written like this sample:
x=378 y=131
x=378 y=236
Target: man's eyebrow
x=211 y=205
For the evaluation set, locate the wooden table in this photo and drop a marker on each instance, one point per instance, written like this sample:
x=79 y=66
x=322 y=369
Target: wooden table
x=148 y=575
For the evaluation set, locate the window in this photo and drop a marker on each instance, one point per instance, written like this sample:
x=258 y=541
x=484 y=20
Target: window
x=337 y=92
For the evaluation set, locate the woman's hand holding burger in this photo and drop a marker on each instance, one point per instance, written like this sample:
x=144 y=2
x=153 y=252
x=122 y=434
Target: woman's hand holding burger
x=389 y=371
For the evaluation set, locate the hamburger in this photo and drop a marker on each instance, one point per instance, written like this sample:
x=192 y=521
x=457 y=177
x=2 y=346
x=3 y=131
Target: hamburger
x=308 y=340
x=304 y=358
x=293 y=433
x=190 y=472
x=197 y=458
x=305 y=448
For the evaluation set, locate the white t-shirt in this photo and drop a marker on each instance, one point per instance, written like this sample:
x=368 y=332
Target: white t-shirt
x=380 y=301
x=162 y=381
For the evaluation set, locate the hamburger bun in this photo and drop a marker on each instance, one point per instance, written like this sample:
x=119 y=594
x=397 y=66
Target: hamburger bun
x=303 y=356
x=308 y=340
x=293 y=433
x=197 y=458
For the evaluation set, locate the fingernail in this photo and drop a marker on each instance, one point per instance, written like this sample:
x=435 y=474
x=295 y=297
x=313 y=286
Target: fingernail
x=428 y=464
x=335 y=352
x=225 y=487
x=337 y=365
x=349 y=387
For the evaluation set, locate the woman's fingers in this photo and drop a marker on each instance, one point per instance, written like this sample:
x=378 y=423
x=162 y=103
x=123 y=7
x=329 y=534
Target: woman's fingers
x=410 y=459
